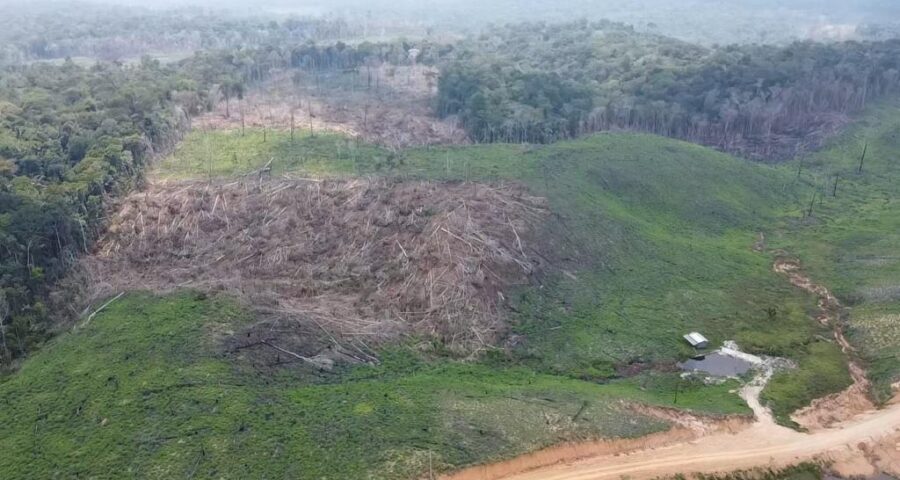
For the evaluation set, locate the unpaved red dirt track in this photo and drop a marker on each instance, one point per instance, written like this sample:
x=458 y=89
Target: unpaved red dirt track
x=761 y=445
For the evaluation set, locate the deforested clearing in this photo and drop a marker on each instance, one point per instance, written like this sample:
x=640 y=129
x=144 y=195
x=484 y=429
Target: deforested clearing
x=364 y=260
x=397 y=113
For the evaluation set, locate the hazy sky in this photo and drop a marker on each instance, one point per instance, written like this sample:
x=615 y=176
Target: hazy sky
x=701 y=21
x=822 y=6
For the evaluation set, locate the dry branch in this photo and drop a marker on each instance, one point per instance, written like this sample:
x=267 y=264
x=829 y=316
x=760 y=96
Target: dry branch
x=102 y=307
x=326 y=252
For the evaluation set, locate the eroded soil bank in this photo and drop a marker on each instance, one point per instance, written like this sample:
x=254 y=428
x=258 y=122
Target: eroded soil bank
x=832 y=409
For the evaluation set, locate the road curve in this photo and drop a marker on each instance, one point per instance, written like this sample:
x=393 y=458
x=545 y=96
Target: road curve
x=761 y=445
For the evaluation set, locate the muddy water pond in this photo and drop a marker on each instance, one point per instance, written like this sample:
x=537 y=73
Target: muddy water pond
x=717 y=365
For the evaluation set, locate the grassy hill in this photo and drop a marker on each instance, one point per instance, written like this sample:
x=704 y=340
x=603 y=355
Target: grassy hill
x=147 y=390
x=654 y=238
x=852 y=240
x=659 y=200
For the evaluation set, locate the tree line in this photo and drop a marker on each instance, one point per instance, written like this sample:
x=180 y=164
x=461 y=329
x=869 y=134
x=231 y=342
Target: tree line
x=541 y=83
x=74 y=138
x=70 y=139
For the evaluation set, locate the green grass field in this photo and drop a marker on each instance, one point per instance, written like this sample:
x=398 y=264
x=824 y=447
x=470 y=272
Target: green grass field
x=654 y=238
x=669 y=227
x=219 y=154
x=146 y=390
x=852 y=241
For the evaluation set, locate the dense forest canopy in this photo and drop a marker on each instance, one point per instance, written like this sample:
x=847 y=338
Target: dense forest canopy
x=541 y=83
x=70 y=138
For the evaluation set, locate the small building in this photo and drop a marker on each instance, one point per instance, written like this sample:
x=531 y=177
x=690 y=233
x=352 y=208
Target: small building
x=696 y=340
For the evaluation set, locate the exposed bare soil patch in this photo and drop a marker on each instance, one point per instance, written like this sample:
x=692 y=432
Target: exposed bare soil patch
x=356 y=263
x=862 y=445
x=700 y=424
x=385 y=105
x=572 y=452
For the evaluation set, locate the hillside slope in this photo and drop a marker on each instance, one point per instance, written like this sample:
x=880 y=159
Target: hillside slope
x=150 y=389
x=851 y=240
x=650 y=238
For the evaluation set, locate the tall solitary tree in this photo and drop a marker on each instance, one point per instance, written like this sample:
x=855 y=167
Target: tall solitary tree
x=4 y=313
x=231 y=88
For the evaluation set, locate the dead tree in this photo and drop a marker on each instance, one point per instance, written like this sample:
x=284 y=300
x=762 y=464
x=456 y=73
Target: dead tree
x=812 y=202
x=366 y=118
x=241 y=106
x=4 y=312
x=863 y=158
x=310 y=113
x=824 y=191
x=226 y=92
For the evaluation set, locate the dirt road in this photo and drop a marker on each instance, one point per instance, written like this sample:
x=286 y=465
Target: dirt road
x=872 y=438
x=762 y=445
